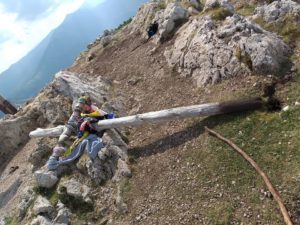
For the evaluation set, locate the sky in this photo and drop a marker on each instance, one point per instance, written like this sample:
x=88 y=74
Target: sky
x=24 y=23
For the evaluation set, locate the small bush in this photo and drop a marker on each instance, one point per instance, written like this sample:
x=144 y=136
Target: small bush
x=126 y=22
x=244 y=58
x=10 y=221
x=161 y=5
x=247 y=10
x=217 y=13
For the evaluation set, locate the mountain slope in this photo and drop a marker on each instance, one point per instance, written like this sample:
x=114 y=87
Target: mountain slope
x=59 y=49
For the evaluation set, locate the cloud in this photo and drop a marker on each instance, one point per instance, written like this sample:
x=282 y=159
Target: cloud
x=29 y=9
x=22 y=29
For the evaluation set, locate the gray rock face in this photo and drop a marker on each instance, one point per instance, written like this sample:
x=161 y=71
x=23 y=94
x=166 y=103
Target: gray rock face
x=41 y=220
x=42 y=205
x=106 y=40
x=75 y=189
x=73 y=85
x=27 y=199
x=168 y=19
x=277 y=10
x=63 y=215
x=143 y=18
x=210 y=51
x=38 y=157
x=212 y=4
x=45 y=178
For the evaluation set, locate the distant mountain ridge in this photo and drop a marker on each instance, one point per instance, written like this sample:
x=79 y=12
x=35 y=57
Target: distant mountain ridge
x=58 y=50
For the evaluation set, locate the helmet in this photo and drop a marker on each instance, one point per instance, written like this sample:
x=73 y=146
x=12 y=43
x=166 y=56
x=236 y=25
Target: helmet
x=82 y=101
x=85 y=99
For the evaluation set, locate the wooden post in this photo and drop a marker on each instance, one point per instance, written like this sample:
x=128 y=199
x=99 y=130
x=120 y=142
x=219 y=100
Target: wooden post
x=7 y=107
x=182 y=112
x=165 y=115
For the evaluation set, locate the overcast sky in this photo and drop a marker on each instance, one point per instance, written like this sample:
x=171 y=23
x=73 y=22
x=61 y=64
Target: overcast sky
x=24 y=23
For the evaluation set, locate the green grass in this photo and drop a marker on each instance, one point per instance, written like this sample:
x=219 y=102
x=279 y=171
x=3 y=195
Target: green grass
x=126 y=22
x=244 y=58
x=50 y=194
x=217 y=13
x=246 y=10
x=161 y=5
x=288 y=27
x=11 y=221
x=271 y=139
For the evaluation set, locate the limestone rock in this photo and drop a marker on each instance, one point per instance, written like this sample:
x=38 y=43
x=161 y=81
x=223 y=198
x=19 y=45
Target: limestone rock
x=41 y=220
x=42 y=206
x=26 y=200
x=75 y=189
x=37 y=158
x=212 y=4
x=106 y=40
x=173 y=15
x=63 y=215
x=73 y=85
x=122 y=170
x=210 y=51
x=45 y=178
x=143 y=18
x=277 y=10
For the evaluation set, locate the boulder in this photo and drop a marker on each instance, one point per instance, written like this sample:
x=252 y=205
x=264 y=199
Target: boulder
x=106 y=40
x=46 y=179
x=169 y=19
x=63 y=215
x=210 y=51
x=277 y=9
x=26 y=200
x=40 y=220
x=42 y=206
x=38 y=157
x=213 y=4
x=75 y=189
x=73 y=85
x=122 y=170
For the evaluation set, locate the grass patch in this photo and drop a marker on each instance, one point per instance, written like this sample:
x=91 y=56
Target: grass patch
x=288 y=27
x=11 y=221
x=160 y=6
x=74 y=204
x=126 y=22
x=219 y=13
x=124 y=186
x=221 y=214
x=246 y=10
x=244 y=57
x=50 y=194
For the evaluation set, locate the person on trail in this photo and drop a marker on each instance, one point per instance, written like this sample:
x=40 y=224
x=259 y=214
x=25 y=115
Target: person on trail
x=152 y=30
x=81 y=123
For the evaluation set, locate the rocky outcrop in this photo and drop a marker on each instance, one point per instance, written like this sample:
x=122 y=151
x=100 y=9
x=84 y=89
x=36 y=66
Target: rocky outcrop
x=42 y=206
x=73 y=85
x=46 y=179
x=210 y=50
x=277 y=10
x=169 y=17
x=213 y=4
x=75 y=189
